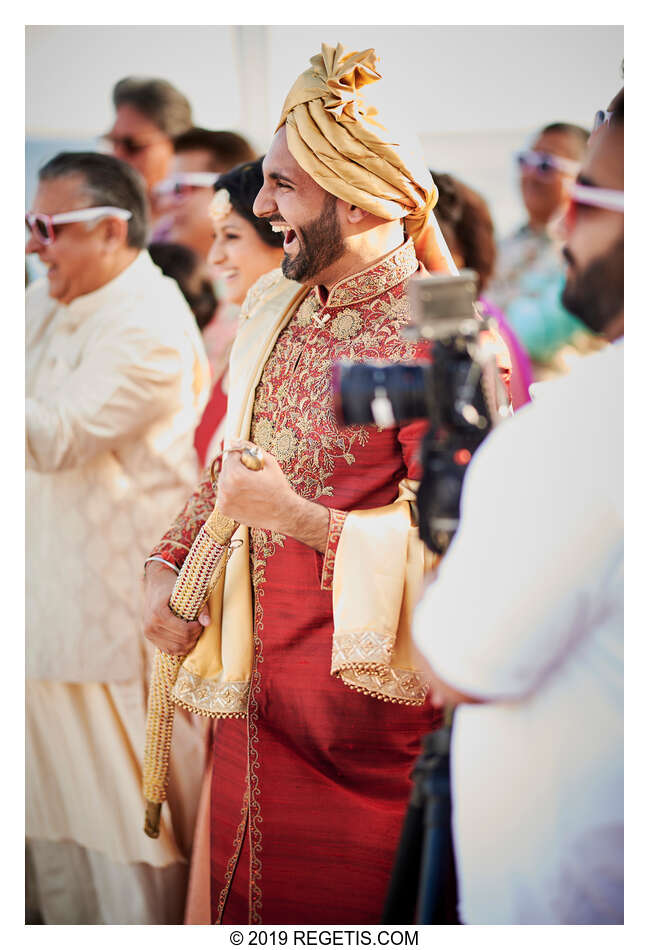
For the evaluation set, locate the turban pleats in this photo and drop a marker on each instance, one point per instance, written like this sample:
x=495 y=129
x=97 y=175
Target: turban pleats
x=340 y=145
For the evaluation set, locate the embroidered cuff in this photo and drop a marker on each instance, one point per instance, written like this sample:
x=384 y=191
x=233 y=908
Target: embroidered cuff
x=336 y=522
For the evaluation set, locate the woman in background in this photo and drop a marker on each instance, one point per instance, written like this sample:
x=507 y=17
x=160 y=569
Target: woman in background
x=244 y=249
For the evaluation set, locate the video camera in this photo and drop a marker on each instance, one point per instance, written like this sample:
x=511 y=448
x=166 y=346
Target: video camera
x=459 y=392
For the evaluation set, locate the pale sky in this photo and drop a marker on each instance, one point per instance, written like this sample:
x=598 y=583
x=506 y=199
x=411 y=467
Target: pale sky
x=440 y=79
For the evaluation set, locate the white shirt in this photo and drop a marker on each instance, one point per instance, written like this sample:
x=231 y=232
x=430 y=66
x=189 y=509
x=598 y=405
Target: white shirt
x=116 y=382
x=527 y=613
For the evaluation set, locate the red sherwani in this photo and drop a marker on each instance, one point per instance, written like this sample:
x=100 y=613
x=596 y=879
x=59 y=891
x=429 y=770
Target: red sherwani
x=309 y=793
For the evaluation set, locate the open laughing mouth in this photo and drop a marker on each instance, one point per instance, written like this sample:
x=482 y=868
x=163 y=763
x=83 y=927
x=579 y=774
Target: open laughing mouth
x=290 y=237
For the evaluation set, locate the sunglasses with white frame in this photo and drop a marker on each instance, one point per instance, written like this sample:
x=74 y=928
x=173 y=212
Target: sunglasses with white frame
x=41 y=225
x=608 y=199
x=175 y=184
x=546 y=164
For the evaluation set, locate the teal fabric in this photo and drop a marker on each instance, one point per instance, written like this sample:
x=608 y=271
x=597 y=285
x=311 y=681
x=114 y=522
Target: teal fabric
x=538 y=317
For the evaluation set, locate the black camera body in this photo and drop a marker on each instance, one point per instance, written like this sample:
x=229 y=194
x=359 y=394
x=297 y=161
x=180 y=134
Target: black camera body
x=459 y=392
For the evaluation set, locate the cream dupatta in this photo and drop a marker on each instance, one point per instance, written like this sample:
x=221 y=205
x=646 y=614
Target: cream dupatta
x=379 y=565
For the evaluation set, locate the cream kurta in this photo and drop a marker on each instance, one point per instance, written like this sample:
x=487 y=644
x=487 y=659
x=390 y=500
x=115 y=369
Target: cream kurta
x=116 y=383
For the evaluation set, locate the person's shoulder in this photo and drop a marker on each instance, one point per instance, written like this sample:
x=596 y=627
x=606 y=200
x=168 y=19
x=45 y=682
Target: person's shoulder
x=268 y=287
x=573 y=423
x=151 y=301
x=152 y=282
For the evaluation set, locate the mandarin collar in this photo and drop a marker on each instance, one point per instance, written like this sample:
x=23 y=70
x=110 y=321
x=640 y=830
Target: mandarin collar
x=374 y=280
x=87 y=304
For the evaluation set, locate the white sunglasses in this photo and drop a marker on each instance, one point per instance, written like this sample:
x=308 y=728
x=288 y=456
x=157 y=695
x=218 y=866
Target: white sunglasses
x=42 y=225
x=176 y=184
x=545 y=164
x=607 y=198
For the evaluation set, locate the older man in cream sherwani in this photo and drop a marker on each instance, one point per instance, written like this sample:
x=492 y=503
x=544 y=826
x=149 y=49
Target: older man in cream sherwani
x=116 y=380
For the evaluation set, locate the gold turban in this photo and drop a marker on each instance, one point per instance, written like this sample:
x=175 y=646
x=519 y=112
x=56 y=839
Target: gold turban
x=336 y=141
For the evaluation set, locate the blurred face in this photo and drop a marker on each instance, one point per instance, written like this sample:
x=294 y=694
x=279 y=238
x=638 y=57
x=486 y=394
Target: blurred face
x=187 y=213
x=81 y=257
x=547 y=193
x=239 y=256
x=308 y=215
x=594 y=249
x=139 y=142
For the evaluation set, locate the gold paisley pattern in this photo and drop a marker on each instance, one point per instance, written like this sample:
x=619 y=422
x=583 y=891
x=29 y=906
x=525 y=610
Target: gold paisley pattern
x=262 y=433
x=309 y=308
x=346 y=325
x=284 y=445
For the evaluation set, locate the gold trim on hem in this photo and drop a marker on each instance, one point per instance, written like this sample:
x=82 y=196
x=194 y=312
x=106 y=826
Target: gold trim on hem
x=363 y=650
x=212 y=698
x=404 y=687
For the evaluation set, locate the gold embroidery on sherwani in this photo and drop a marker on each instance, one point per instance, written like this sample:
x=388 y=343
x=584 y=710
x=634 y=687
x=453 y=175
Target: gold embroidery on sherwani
x=347 y=324
x=262 y=546
x=284 y=445
x=293 y=418
x=232 y=863
x=262 y=434
x=376 y=279
x=307 y=311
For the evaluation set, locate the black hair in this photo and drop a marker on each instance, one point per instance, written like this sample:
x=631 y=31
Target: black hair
x=109 y=181
x=227 y=149
x=186 y=268
x=243 y=184
x=156 y=99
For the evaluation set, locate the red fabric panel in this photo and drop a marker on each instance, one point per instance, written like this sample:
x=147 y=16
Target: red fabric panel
x=212 y=415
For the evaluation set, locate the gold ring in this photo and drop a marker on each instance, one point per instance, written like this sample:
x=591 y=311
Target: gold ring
x=252 y=458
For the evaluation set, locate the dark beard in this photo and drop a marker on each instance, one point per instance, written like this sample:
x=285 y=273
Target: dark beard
x=596 y=295
x=321 y=243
